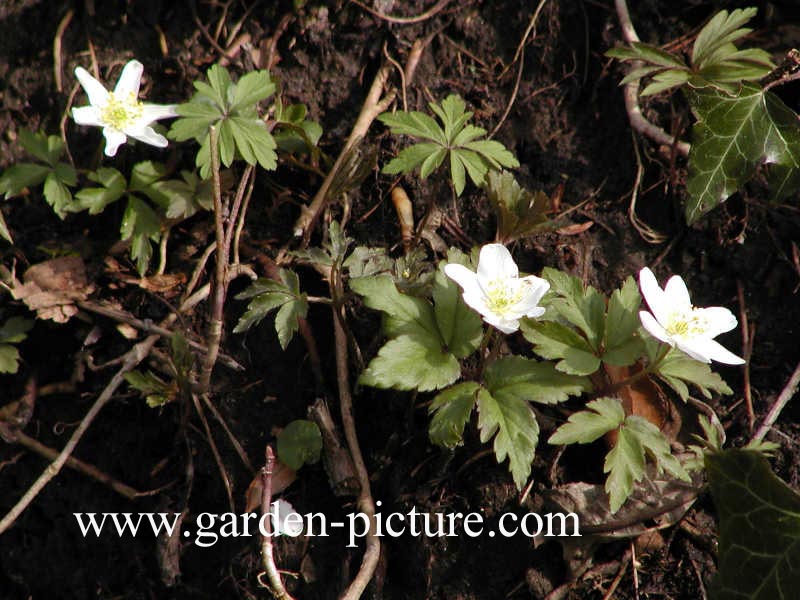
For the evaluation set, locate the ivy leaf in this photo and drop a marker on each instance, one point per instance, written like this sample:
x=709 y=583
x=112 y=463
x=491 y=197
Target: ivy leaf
x=519 y=212
x=460 y=327
x=513 y=425
x=266 y=295
x=732 y=136
x=678 y=368
x=141 y=225
x=299 y=443
x=552 y=340
x=529 y=380
x=409 y=362
x=625 y=465
x=454 y=138
x=602 y=415
x=759 y=528
x=450 y=411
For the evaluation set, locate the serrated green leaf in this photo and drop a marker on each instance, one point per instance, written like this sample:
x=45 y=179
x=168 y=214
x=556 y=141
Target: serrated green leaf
x=183 y=198
x=299 y=443
x=220 y=83
x=583 y=307
x=410 y=158
x=287 y=319
x=656 y=446
x=266 y=295
x=553 y=340
x=532 y=381
x=141 y=225
x=432 y=162
x=251 y=89
x=723 y=28
x=145 y=174
x=513 y=425
x=196 y=117
x=9 y=358
x=732 y=136
x=57 y=195
x=4 y=232
x=622 y=345
x=460 y=327
x=647 y=53
x=410 y=362
x=155 y=391
x=364 y=261
x=414 y=123
x=759 y=529
x=404 y=314
x=678 y=368
x=602 y=415
x=25 y=175
x=625 y=466
x=666 y=80
x=226 y=143
x=450 y=410
x=254 y=142
x=519 y=212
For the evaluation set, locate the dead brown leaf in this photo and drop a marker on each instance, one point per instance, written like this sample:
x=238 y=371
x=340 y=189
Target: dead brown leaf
x=52 y=288
x=282 y=478
x=575 y=229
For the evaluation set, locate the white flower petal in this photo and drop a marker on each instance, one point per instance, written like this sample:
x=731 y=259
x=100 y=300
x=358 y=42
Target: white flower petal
x=711 y=350
x=282 y=510
x=719 y=319
x=654 y=296
x=654 y=328
x=677 y=293
x=114 y=139
x=473 y=293
x=156 y=112
x=506 y=325
x=495 y=262
x=148 y=136
x=98 y=95
x=537 y=287
x=129 y=80
x=87 y=115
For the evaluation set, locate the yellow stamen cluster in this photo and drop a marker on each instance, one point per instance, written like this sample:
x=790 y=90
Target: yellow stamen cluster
x=121 y=113
x=500 y=297
x=687 y=323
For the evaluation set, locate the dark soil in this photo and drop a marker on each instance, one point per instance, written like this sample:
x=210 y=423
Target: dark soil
x=568 y=127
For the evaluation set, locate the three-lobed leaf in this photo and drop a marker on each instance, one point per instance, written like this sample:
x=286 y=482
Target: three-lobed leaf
x=450 y=410
x=600 y=417
x=532 y=381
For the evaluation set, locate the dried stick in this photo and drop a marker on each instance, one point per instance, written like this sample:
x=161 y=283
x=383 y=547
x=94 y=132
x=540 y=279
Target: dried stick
x=631 y=91
x=424 y=16
x=274 y=576
x=366 y=504
x=220 y=283
x=57 y=45
x=374 y=105
x=87 y=469
x=747 y=351
x=783 y=399
x=130 y=360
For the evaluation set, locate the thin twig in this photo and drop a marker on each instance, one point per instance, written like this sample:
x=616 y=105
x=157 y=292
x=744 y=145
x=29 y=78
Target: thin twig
x=513 y=98
x=226 y=480
x=366 y=504
x=521 y=46
x=783 y=399
x=424 y=16
x=747 y=350
x=275 y=583
x=374 y=105
x=131 y=359
x=57 y=45
x=631 y=91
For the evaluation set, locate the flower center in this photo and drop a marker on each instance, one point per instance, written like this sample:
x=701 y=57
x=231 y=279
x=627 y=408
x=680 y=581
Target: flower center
x=687 y=324
x=121 y=113
x=501 y=297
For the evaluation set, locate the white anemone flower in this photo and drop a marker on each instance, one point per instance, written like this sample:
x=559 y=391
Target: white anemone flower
x=497 y=291
x=674 y=320
x=284 y=521
x=120 y=113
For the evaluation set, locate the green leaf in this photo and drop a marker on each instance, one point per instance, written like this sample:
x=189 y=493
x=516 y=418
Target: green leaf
x=553 y=340
x=529 y=380
x=251 y=89
x=156 y=392
x=722 y=29
x=519 y=212
x=625 y=465
x=9 y=358
x=678 y=368
x=15 y=330
x=254 y=142
x=732 y=136
x=583 y=307
x=656 y=446
x=57 y=195
x=299 y=443
x=183 y=198
x=141 y=225
x=647 y=53
x=622 y=346
x=196 y=117
x=513 y=425
x=404 y=314
x=602 y=415
x=666 y=80
x=759 y=529
x=454 y=137
x=145 y=174
x=410 y=362
x=450 y=411
x=21 y=176
x=4 y=232
x=266 y=295
x=96 y=199
x=460 y=327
